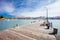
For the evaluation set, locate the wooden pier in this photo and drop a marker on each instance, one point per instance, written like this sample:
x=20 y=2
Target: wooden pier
x=27 y=32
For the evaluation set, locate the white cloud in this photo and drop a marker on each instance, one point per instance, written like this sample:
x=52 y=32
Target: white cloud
x=27 y=12
x=36 y=13
x=54 y=9
x=7 y=7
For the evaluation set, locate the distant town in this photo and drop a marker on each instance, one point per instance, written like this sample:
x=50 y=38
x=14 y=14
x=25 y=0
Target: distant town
x=41 y=17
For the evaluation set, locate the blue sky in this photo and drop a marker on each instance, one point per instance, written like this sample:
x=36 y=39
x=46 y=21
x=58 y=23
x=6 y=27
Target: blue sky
x=28 y=8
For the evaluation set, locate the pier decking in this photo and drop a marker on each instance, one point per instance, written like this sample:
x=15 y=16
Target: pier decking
x=27 y=32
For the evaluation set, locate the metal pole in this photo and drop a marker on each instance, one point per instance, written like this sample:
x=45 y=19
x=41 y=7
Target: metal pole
x=47 y=14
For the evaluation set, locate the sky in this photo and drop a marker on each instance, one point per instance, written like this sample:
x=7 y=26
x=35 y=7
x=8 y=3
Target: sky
x=30 y=8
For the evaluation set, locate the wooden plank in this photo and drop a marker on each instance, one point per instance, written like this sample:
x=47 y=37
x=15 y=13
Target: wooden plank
x=3 y=36
x=33 y=34
x=29 y=34
x=21 y=36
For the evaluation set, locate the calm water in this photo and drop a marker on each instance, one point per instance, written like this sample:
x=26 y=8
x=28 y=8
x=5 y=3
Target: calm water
x=5 y=24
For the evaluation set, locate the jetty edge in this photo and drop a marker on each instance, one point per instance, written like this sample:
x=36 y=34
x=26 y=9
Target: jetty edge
x=27 y=32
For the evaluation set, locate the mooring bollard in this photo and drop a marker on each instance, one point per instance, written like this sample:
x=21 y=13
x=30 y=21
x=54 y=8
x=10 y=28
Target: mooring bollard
x=48 y=25
x=17 y=25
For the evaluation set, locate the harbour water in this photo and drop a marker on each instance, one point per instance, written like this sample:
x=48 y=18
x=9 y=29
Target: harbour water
x=5 y=24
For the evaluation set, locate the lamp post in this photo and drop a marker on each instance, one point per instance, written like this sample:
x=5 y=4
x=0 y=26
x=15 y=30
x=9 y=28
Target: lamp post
x=46 y=14
x=48 y=23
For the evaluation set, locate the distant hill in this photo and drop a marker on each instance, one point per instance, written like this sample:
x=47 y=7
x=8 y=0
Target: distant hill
x=7 y=15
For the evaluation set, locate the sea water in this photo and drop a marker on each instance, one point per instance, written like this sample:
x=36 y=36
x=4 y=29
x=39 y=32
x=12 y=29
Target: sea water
x=5 y=24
